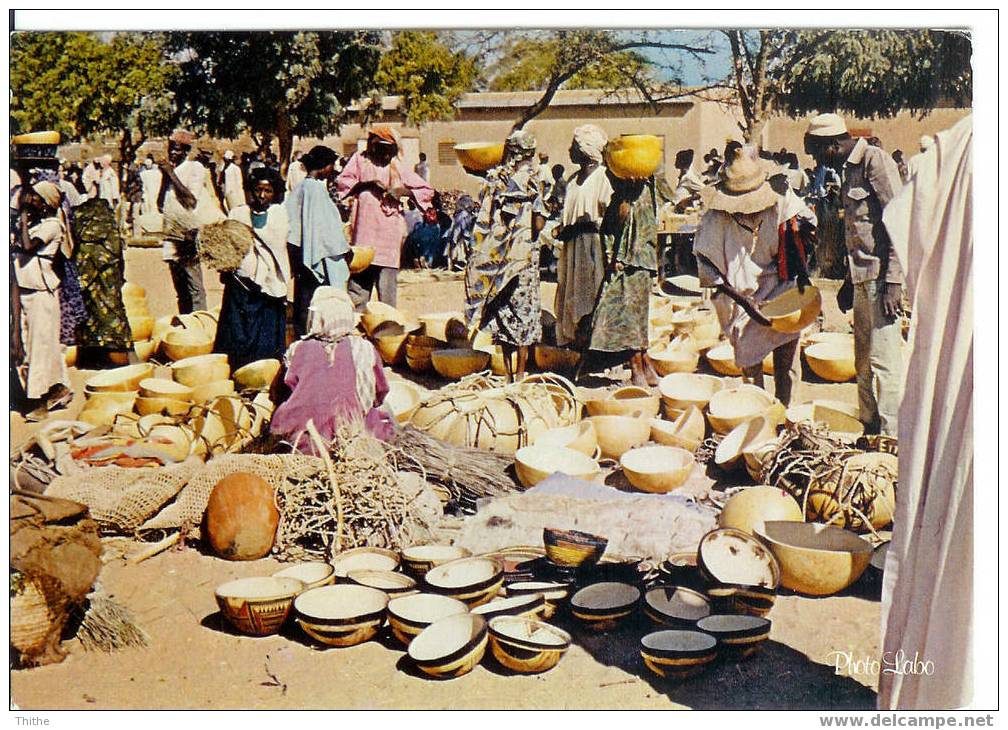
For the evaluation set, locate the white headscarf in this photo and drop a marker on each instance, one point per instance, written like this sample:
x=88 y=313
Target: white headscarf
x=591 y=140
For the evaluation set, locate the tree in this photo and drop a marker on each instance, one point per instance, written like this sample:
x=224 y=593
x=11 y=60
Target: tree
x=867 y=73
x=596 y=59
x=82 y=85
x=428 y=75
x=526 y=65
x=273 y=83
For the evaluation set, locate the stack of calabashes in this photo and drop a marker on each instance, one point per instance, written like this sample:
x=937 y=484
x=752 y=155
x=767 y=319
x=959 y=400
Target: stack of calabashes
x=184 y=336
x=141 y=323
x=201 y=409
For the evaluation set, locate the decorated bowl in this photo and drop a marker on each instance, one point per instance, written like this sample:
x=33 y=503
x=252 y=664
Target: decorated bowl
x=411 y=614
x=527 y=645
x=341 y=615
x=257 y=606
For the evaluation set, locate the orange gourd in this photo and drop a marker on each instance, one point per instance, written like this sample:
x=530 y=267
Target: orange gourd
x=241 y=517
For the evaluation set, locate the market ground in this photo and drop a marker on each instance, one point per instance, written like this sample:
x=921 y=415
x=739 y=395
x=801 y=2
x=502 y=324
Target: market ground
x=195 y=661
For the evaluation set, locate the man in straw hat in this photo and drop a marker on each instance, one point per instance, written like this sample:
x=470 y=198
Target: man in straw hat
x=738 y=250
x=873 y=285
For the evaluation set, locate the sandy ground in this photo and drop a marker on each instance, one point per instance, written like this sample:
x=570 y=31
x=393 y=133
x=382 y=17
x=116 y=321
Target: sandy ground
x=195 y=661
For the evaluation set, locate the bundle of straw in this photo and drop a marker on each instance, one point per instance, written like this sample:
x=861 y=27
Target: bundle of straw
x=109 y=626
x=223 y=245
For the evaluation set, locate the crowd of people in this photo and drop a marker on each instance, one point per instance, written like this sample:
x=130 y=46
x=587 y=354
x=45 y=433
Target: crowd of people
x=598 y=233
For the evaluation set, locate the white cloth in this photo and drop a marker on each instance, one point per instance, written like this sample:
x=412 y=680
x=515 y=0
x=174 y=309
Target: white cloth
x=234 y=187
x=296 y=174
x=587 y=201
x=746 y=258
x=34 y=269
x=108 y=186
x=270 y=272
x=150 y=182
x=89 y=179
x=197 y=179
x=690 y=183
x=43 y=365
x=927 y=597
x=73 y=196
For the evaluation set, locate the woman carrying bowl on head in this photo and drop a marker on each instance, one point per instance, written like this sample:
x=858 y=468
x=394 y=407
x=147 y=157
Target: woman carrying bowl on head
x=581 y=268
x=376 y=180
x=502 y=274
x=253 y=317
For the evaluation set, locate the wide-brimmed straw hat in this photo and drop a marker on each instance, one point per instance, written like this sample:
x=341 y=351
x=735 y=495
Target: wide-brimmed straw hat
x=744 y=188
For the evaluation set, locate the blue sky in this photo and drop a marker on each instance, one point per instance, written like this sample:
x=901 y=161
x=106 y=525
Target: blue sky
x=714 y=66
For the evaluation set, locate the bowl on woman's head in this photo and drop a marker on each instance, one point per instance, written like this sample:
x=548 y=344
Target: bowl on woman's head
x=341 y=615
x=479 y=156
x=634 y=156
x=573 y=548
x=257 y=606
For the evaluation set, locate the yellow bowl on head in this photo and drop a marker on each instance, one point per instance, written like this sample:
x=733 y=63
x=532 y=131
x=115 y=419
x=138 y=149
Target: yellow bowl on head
x=722 y=359
x=657 y=469
x=535 y=463
x=193 y=371
x=634 y=156
x=456 y=363
x=179 y=344
x=815 y=559
x=362 y=258
x=121 y=379
x=479 y=156
x=830 y=361
x=680 y=391
x=618 y=434
x=258 y=375
x=686 y=431
x=46 y=137
x=793 y=311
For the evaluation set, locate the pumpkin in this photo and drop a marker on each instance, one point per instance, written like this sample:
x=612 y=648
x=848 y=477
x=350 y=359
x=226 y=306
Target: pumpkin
x=241 y=517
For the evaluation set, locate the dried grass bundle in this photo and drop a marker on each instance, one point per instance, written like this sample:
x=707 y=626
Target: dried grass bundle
x=222 y=246
x=355 y=500
x=109 y=626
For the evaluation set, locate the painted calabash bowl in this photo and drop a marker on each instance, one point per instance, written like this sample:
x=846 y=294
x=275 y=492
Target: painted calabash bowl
x=389 y=582
x=257 y=606
x=312 y=574
x=364 y=558
x=815 y=559
x=573 y=548
x=738 y=636
x=450 y=647
x=677 y=653
x=474 y=581
x=676 y=606
x=341 y=615
x=527 y=646
x=418 y=559
x=554 y=593
x=530 y=605
x=742 y=574
x=601 y=606
x=409 y=615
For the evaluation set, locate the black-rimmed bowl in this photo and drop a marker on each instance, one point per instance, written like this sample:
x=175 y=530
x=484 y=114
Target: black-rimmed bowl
x=527 y=646
x=738 y=636
x=678 y=654
x=341 y=615
x=450 y=647
x=676 y=606
x=602 y=606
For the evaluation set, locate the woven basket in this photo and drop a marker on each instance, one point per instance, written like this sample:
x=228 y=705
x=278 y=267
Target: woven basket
x=34 y=617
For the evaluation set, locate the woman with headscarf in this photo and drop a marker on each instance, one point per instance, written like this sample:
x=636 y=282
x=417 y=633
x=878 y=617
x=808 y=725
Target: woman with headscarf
x=461 y=231
x=581 y=267
x=502 y=274
x=99 y=259
x=335 y=376
x=629 y=231
x=742 y=252
x=376 y=180
x=40 y=242
x=253 y=323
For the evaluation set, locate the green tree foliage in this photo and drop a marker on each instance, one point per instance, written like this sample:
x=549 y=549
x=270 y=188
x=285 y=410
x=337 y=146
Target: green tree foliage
x=82 y=85
x=527 y=64
x=862 y=72
x=428 y=75
x=273 y=83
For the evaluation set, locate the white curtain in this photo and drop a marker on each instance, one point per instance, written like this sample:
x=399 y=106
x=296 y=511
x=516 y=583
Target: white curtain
x=927 y=611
